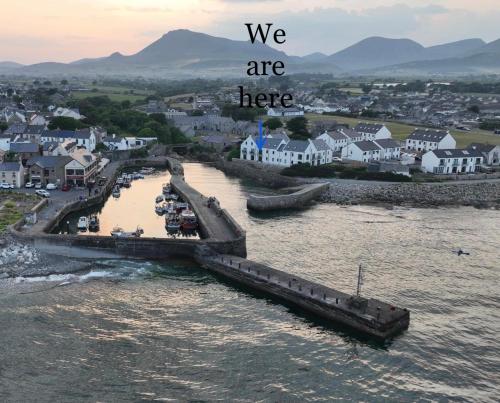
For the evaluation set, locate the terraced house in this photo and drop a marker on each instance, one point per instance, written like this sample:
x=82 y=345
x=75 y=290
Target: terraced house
x=423 y=140
x=453 y=161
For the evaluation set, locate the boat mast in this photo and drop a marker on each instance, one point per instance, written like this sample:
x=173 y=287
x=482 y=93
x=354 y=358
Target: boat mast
x=360 y=281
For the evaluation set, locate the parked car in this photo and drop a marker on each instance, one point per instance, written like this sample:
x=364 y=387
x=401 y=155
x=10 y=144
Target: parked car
x=337 y=159
x=29 y=185
x=66 y=187
x=42 y=192
x=51 y=186
x=6 y=186
x=102 y=181
x=38 y=185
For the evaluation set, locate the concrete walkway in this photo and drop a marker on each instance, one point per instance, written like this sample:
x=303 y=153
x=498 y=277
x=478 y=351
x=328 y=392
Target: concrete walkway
x=216 y=226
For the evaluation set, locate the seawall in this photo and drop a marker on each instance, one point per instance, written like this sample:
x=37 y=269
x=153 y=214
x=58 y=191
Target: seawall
x=297 y=199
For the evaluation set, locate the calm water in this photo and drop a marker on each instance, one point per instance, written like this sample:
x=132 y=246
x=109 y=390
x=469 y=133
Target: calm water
x=147 y=331
x=135 y=207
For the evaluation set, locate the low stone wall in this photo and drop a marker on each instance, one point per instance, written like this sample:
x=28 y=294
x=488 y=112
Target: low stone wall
x=297 y=199
x=265 y=175
x=477 y=194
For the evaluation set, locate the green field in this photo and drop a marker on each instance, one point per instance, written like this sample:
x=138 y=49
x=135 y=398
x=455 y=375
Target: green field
x=117 y=94
x=400 y=130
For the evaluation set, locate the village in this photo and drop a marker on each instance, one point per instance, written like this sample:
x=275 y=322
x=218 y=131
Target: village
x=36 y=153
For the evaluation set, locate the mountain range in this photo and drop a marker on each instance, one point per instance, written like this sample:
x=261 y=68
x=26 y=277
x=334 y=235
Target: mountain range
x=183 y=53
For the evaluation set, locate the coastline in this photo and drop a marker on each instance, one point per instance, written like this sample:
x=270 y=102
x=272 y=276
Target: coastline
x=479 y=193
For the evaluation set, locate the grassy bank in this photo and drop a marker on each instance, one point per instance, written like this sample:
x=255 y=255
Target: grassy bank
x=13 y=206
x=342 y=172
x=401 y=130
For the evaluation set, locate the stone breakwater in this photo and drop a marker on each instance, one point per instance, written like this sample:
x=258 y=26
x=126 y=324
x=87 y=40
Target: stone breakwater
x=479 y=194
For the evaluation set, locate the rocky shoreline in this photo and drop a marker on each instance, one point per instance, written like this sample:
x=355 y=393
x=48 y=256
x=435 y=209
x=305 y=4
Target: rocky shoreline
x=478 y=194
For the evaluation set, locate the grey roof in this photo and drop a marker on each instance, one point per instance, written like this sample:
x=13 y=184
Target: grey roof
x=10 y=166
x=388 y=143
x=272 y=144
x=457 y=153
x=485 y=148
x=367 y=145
x=297 y=145
x=111 y=139
x=34 y=129
x=368 y=127
x=320 y=145
x=49 y=161
x=16 y=128
x=351 y=133
x=428 y=135
x=24 y=147
x=336 y=135
x=49 y=145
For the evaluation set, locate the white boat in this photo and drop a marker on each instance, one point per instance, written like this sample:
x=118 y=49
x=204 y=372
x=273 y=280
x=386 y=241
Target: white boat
x=173 y=226
x=137 y=175
x=166 y=188
x=146 y=171
x=116 y=191
x=160 y=210
x=83 y=224
x=120 y=182
x=159 y=199
x=118 y=232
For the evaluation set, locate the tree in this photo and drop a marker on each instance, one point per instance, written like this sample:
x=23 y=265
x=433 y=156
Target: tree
x=146 y=132
x=159 y=117
x=273 y=124
x=3 y=126
x=64 y=82
x=197 y=112
x=366 y=88
x=474 y=109
x=65 y=123
x=99 y=147
x=298 y=127
x=47 y=82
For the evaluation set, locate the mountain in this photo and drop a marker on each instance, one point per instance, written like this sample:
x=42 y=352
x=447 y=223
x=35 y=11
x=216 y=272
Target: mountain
x=484 y=59
x=376 y=52
x=183 y=54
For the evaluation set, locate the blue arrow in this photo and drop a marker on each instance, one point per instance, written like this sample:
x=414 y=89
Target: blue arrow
x=261 y=140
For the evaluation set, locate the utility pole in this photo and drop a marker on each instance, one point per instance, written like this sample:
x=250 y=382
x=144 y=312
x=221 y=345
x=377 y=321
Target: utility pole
x=360 y=281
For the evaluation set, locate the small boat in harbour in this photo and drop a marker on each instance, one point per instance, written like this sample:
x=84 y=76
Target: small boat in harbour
x=173 y=226
x=118 y=232
x=166 y=189
x=147 y=170
x=188 y=220
x=120 y=182
x=160 y=209
x=94 y=223
x=83 y=224
x=116 y=191
x=159 y=199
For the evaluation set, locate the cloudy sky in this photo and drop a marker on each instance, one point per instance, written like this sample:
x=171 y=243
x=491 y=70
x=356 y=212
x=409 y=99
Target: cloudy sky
x=65 y=30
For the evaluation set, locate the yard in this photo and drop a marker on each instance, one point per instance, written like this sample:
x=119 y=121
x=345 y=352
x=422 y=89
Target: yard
x=12 y=207
x=117 y=94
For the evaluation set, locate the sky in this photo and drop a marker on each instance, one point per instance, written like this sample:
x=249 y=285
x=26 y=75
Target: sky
x=35 y=31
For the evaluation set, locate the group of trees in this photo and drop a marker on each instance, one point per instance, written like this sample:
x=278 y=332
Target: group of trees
x=238 y=113
x=298 y=128
x=118 y=117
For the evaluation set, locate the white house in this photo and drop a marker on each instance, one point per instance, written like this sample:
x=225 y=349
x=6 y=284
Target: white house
x=5 y=140
x=83 y=138
x=117 y=143
x=12 y=173
x=363 y=151
x=491 y=153
x=373 y=131
x=391 y=149
x=429 y=139
x=81 y=169
x=272 y=151
x=323 y=153
x=336 y=140
x=69 y=113
x=452 y=161
x=298 y=152
x=285 y=112
x=352 y=135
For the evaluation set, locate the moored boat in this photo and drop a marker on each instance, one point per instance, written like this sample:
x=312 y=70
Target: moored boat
x=159 y=198
x=188 y=220
x=146 y=170
x=116 y=191
x=83 y=224
x=118 y=232
x=94 y=223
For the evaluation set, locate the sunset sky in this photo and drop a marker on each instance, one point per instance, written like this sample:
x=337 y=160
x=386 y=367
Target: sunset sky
x=65 y=30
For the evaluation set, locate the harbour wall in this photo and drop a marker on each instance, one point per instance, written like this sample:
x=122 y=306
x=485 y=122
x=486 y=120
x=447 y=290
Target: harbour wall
x=297 y=199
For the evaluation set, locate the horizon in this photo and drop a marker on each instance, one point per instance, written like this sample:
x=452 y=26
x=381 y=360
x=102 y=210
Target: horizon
x=242 y=40
x=64 y=32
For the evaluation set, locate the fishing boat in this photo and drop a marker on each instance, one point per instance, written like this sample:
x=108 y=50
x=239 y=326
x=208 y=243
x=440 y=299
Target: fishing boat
x=159 y=198
x=166 y=189
x=188 y=220
x=160 y=209
x=137 y=175
x=173 y=226
x=119 y=182
x=94 y=223
x=118 y=232
x=180 y=206
x=127 y=182
x=83 y=224
x=146 y=170
x=116 y=191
